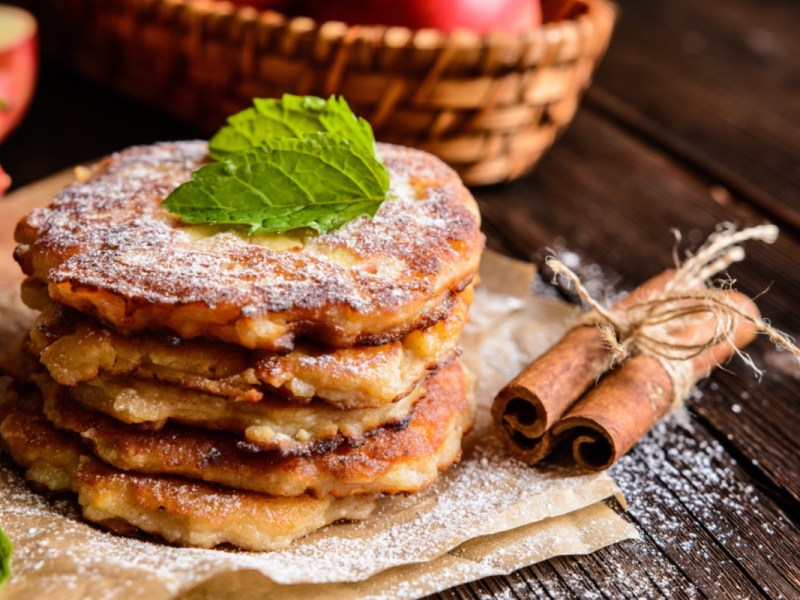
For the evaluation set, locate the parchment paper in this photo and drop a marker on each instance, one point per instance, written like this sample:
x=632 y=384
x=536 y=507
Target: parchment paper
x=411 y=546
x=579 y=532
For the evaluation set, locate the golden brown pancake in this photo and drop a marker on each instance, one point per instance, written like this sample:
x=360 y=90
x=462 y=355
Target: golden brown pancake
x=76 y=348
x=269 y=424
x=180 y=511
x=50 y=456
x=195 y=514
x=388 y=461
x=105 y=247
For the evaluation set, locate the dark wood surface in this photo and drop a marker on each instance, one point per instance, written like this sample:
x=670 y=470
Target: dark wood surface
x=694 y=119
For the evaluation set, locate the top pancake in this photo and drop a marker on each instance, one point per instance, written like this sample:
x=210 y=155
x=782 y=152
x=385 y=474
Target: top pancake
x=106 y=247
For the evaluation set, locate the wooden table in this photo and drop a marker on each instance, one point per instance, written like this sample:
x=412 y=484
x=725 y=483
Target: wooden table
x=694 y=119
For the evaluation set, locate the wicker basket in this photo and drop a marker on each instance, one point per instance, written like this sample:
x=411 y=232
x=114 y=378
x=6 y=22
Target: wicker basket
x=490 y=105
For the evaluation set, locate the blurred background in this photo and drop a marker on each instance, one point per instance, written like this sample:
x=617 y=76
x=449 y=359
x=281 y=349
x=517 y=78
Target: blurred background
x=715 y=81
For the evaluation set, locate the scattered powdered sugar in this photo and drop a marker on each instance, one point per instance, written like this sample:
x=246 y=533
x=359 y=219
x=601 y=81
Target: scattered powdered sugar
x=688 y=495
x=688 y=498
x=486 y=494
x=685 y=495
x=110 y=234
x=601 y=284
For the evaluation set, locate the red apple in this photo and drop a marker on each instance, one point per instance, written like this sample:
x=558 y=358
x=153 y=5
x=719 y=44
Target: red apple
x=18 y=61
x=480 y=16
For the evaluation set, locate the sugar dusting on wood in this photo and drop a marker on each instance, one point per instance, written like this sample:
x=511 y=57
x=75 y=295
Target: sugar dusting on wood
x=686 y=496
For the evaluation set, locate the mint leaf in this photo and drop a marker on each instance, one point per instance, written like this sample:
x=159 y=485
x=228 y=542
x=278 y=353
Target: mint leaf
x=291 y=116
x=5 y=558
x=321 y=181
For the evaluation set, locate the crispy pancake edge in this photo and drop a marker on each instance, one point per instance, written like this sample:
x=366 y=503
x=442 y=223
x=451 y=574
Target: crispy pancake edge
x=273 y=424
x=180 y=511
x=102 y=247
x=389 y=461
x=76 y=348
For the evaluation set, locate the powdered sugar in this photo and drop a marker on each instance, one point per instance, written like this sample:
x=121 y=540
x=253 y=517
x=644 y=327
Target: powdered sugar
x=488 y=493
x=111 y=234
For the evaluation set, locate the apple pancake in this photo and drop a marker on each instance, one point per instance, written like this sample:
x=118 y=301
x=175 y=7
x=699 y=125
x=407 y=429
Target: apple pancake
x=180 y=511
x=107 y=248
x=388 y=461
x=269 y=424
x=75 y=348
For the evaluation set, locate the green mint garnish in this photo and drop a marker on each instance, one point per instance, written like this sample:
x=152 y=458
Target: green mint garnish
x=5 y=558
x=321 y=181
x=291 y=116
x=300 y=161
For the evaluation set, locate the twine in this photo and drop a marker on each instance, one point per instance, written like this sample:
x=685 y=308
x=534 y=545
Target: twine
x=689 y=297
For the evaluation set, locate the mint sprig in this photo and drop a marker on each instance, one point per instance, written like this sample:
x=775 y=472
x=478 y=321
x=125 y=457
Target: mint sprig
x=5 y=558
x=297 y=162
x=291 y=116
x=320 y=181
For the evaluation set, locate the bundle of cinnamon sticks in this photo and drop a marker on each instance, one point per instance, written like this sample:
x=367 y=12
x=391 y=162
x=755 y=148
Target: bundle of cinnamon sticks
x=620 y=370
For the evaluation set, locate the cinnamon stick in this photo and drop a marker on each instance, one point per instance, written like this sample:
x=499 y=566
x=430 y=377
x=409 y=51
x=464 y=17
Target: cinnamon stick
x=543 y=392
x=605 y=423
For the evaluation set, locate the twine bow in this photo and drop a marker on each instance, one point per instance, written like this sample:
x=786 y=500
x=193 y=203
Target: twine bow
x=648 y=327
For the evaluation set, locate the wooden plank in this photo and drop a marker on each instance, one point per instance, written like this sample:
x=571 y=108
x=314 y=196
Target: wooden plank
x=746 y=413
x=638 y=195
x=702 y=511
x=707 y=531
x=715 y=82
x=638 y=570
x=614 y=200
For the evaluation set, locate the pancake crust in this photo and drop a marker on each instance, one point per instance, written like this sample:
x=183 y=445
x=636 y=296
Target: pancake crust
x=269 y=424
x=194 y=514
x=180 y=511
x=107 y=248
x=75 y=348
x=389 y=461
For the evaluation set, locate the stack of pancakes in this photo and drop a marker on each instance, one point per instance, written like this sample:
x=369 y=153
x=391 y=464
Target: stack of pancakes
x=208 y=386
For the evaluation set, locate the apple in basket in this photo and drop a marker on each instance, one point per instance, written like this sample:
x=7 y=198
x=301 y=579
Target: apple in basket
x=480 y=16
x=18 y=59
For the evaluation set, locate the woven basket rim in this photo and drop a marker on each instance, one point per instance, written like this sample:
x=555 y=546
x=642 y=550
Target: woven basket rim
x=489 y=104
x=383 y=35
